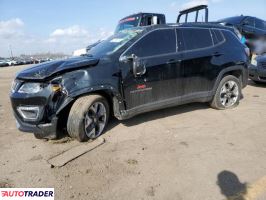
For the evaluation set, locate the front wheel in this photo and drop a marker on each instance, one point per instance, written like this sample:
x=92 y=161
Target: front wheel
x=88 y=117
x=228 y=93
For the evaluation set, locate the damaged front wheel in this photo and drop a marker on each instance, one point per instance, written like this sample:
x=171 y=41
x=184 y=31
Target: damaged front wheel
x=88 y=117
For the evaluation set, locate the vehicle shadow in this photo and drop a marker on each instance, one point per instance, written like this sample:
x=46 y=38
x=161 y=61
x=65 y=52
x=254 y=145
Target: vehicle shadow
x=230 y=186
x=260 y=85
x=159 y=114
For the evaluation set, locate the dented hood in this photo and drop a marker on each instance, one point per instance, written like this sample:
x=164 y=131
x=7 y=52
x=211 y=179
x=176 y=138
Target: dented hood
x=48 y=69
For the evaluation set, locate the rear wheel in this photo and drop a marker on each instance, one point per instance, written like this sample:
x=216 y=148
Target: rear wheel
x=88 y=117
x=228 y=93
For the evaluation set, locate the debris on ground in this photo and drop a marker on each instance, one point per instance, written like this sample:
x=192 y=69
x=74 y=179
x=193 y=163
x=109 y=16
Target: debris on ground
x=73 y=153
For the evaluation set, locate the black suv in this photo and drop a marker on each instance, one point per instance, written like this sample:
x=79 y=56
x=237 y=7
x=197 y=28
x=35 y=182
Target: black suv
x=132 y=72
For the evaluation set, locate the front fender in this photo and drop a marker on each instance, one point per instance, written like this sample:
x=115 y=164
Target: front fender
x=110 y=91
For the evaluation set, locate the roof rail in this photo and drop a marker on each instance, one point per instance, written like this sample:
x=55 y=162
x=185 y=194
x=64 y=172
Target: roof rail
x=194 y=9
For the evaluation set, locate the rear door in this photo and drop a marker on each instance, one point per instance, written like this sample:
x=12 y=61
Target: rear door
x=162 y=80
x=199 y=69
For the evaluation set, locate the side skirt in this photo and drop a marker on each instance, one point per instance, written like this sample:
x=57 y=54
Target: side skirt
x=196 y=97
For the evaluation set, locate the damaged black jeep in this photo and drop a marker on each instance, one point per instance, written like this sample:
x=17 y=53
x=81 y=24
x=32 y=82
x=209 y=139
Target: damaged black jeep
x=132 y=72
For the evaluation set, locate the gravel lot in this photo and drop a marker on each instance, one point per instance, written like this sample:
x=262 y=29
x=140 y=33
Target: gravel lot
x=188 y=152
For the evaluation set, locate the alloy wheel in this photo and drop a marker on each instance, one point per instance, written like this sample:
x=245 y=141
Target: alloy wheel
x=229 y=93
x=95 y=120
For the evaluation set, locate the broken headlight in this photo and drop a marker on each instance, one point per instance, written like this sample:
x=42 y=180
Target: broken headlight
x=30 y=88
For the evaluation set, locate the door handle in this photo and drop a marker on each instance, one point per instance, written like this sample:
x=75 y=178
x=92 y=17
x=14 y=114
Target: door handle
x=217 y=54
x=172 y=61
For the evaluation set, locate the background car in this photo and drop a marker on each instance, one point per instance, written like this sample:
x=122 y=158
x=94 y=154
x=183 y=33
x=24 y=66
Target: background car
x=252 y=28
x=257 y=69
x=11 y=62
x=3 y=63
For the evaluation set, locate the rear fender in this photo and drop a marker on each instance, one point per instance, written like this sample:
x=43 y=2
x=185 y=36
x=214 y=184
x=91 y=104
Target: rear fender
x=227 y=70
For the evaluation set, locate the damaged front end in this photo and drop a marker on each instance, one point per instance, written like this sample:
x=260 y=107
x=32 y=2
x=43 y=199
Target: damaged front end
x=40 y=94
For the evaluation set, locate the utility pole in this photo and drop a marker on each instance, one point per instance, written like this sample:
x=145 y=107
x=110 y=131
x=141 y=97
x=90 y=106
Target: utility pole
x=11 y=53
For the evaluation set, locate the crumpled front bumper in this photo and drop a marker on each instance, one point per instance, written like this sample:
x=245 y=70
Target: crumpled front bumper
x=48 y=130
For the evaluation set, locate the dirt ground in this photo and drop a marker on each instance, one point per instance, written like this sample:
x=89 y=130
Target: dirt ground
x=189 y=152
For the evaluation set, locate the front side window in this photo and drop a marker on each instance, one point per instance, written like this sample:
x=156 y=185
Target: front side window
x=157 y=42
x=197 y=38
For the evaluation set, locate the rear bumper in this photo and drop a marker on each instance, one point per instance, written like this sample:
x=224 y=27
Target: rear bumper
x=257 y=73
x=48 y=130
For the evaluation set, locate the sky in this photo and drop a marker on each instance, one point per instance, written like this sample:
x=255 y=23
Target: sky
x=31 y=26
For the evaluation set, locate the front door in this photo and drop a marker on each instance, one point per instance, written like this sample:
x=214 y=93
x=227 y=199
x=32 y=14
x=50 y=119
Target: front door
x=161 y=79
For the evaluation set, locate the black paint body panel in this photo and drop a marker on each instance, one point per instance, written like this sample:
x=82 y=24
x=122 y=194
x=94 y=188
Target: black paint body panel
x=170 y=79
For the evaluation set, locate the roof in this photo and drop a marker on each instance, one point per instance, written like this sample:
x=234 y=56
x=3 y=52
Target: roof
x=192 y=25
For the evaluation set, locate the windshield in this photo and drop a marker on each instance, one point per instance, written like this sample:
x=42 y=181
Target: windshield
x=127 y=23
x=113 y=43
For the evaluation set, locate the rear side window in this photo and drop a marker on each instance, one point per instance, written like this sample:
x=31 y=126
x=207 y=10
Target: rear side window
x=197 y=38
x=155 y=43
x=217 y=36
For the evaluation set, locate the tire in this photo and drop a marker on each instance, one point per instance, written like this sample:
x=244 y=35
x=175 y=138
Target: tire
x=228 y=93
x=38 y=136
x=88 y=117
x=45 y=136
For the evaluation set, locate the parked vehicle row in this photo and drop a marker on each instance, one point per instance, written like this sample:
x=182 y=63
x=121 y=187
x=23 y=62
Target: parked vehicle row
x=134 y=71
x=6 y=62
x=3 y=63
x=20 y=61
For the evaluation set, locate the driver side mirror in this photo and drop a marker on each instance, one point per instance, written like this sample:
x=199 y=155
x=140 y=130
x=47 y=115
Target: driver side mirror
x=139 y=67
x=126 y=59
